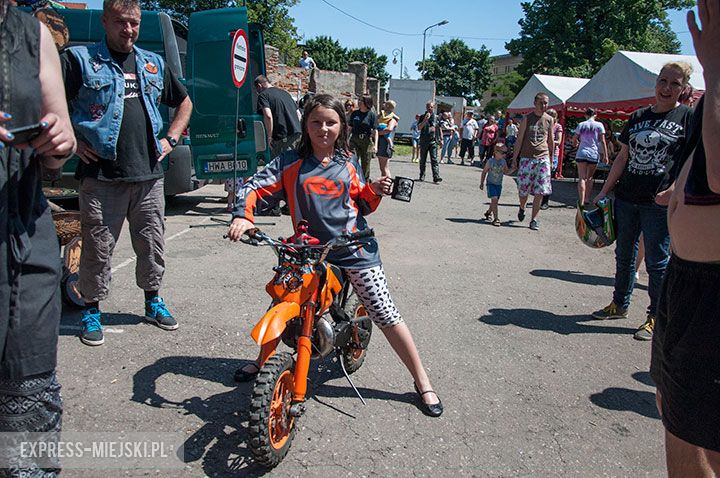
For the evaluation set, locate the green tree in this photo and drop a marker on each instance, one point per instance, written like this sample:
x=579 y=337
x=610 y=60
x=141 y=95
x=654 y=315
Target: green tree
x=577 y=37
x=503 y=89
x=327 y=53
x=458 y=69
x=278 y=26
x=376 y=64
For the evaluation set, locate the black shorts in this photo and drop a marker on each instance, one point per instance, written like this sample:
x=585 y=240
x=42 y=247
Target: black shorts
x=685 y=362
x=384 y=149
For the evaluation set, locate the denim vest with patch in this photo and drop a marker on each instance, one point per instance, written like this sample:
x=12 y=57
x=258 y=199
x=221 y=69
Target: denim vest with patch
x=97 y=111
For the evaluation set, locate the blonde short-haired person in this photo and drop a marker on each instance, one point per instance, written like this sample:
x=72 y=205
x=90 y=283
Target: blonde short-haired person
x=651 y=138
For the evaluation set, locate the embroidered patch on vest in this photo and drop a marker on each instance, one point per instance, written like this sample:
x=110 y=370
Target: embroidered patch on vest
x=97 y=111
x=96 y=66
x=151 y=68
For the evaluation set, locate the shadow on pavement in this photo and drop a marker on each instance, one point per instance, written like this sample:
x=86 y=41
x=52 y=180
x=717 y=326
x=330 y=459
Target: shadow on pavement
x=579 y=278
x=644 y=377
x=222 y=442
x=191 y=205
x=626 y=400
x=542 y=320
x=330 y=370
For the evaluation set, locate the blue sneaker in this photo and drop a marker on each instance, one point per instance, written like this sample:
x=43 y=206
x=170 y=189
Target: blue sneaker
x=92 y=332
x=157 y=313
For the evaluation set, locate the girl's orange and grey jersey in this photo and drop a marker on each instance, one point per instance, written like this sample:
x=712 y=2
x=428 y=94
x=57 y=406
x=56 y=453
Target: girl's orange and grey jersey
x=334 y=199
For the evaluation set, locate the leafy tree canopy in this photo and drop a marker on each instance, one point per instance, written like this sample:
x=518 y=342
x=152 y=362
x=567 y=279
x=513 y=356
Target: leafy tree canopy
x=278 y=26
x=330 y=55
x=577 y=37
x=505 y=88
x=458 y=69
x=376 y=64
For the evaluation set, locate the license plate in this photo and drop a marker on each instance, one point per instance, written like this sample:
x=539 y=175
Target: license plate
x=225 y=166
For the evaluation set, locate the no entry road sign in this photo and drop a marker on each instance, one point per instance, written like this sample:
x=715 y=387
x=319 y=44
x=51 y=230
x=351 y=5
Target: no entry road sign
x=239 y=59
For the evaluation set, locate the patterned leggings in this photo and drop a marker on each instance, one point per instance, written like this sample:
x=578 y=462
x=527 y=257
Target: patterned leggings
x=371 y=288
x=32 y=404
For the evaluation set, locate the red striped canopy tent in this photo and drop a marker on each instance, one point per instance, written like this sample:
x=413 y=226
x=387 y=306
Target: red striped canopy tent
x=627 y=83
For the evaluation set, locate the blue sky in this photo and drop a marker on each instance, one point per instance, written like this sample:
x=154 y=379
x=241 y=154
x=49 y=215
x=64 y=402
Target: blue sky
x=477 y=22
x=480 y=22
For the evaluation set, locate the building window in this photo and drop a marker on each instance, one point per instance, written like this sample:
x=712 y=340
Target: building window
x=495 y=70
x=508 y=69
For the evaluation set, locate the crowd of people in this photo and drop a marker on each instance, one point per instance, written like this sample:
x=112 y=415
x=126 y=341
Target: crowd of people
x=665 y=177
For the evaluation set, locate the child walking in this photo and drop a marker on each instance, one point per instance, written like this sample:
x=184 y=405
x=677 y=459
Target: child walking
x=494 y=170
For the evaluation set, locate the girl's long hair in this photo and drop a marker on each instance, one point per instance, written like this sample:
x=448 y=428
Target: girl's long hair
x=341 y=144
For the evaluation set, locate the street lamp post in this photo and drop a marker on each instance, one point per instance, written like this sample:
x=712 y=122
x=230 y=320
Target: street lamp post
x=444 y=22
x=395 y=53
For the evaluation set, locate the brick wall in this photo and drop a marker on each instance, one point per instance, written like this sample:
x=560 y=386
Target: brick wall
x=297 y=81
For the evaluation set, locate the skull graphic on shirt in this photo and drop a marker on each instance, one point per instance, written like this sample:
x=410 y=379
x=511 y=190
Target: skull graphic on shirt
x=648 y=151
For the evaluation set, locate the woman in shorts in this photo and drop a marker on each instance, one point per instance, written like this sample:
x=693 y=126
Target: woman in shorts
x=386 y=130
x=588 y=137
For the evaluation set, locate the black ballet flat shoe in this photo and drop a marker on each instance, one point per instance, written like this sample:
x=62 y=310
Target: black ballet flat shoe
x=434 y=410
x=243 y=376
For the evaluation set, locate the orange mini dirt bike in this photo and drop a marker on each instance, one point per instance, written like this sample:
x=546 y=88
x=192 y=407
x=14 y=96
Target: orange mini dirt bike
x=314 y=312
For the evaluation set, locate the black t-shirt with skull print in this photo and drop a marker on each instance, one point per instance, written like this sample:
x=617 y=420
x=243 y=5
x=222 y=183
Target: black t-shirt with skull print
x=652 y=140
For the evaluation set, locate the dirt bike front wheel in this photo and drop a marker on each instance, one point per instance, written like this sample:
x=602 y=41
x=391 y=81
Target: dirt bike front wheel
x=354 y=352
x=272 y=428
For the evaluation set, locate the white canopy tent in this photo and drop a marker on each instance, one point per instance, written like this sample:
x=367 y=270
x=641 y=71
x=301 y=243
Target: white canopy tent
x=627 y=82
x=558 y=89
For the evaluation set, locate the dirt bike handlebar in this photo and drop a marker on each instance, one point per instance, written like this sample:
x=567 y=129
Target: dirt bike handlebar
x=255 y=237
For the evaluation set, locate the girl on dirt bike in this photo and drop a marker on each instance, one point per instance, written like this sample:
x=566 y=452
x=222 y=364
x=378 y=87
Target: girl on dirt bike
x=323 y=184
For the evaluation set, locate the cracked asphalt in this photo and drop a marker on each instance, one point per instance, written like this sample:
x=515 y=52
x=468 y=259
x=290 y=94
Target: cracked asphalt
x=531 y=385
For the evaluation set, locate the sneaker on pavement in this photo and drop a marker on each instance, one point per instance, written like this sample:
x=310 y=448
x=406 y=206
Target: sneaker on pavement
x=645 y=332
x=92 y=331
x=157 y=313
x=612 y=311
x=496 y=222
x=488 y=215
x=521 y=214
x=450 y=161
x=534 y=225
x=544 y=206
x=437 y=180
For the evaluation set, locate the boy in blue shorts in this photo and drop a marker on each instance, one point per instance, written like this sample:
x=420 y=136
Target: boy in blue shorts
x=495 y=168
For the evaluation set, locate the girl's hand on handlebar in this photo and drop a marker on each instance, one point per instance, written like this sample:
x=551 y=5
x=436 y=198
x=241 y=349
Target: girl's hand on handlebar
x=238 y=226
x=382 y=186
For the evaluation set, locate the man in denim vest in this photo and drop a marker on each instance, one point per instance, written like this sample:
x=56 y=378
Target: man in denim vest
x=114 y=90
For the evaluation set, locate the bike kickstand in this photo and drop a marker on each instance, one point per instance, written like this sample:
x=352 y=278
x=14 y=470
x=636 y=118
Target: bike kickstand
x=342 y=366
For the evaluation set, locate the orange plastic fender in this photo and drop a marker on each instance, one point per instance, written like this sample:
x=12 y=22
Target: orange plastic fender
x=272 y=324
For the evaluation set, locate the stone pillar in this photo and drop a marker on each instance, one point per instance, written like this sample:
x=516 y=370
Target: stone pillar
x=272 y=60
x=383 y=96
x=373 y=88
x=359 y=69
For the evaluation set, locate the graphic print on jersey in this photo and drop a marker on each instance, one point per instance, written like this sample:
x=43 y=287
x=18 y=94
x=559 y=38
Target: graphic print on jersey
x=649 y=143
x=132 y=86
x=319 y=186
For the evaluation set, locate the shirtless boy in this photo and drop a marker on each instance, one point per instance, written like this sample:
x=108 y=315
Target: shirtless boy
x=686 y=344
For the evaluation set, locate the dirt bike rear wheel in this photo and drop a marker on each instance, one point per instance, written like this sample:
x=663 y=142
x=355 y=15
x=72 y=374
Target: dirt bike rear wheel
x=353 y=356
x=272 y=428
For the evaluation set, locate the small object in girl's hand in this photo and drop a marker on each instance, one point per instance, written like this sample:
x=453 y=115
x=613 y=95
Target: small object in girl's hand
x=402 y=188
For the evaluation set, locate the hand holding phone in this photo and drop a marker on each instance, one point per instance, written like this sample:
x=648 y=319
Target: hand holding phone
x=25 y=134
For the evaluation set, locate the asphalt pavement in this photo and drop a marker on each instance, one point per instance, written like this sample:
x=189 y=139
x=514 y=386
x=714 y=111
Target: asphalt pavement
x=531 y=385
